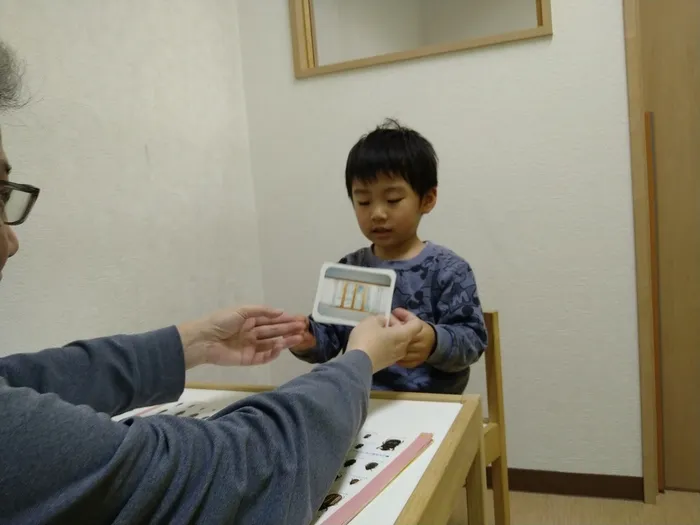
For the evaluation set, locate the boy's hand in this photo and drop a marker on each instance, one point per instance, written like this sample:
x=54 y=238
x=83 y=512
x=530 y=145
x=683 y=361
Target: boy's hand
x=308 y=340
x=420 y=348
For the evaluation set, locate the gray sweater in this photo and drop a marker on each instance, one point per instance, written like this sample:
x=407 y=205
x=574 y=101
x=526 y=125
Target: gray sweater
x=268 y=459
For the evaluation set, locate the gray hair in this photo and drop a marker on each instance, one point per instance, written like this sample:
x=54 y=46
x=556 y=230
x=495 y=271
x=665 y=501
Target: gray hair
x=10 y=79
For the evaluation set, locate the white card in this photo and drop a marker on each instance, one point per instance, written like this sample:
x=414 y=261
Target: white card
x=348 y=294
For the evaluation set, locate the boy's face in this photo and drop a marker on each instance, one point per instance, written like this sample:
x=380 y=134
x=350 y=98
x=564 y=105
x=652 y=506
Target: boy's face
x=388 y=210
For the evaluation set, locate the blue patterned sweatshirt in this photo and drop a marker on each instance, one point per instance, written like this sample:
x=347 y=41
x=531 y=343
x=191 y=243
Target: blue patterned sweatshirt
x=439 y=287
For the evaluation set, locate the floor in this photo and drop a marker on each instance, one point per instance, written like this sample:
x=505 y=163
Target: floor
x=672 y=508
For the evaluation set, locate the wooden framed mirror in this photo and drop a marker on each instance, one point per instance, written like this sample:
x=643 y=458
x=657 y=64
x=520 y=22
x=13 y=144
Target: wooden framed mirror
x=337 y=35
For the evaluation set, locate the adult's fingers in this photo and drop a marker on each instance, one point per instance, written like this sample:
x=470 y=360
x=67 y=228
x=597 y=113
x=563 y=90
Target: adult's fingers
x=259 y=311
x=280 y=319
x=248 y=325
x=266 y=345
x=393 y=320
x=409 y=329
x=291 y=341
x=272 y=331
x=262 y=358
x=277 y=343
x=409 y=363
x=380 y=320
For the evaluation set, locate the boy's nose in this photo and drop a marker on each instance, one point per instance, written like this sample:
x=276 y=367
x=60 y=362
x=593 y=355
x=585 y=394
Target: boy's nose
x=378 y=214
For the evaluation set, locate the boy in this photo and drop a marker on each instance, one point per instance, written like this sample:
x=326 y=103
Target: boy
x=391 y=179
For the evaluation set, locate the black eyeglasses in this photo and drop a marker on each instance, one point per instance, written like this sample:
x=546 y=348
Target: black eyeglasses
x=16 y=201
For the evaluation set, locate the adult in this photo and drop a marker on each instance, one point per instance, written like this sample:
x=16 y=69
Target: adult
x=268 y=459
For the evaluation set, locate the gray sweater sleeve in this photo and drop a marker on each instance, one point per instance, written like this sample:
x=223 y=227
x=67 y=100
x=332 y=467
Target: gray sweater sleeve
x=267 y=459
x=111 y=375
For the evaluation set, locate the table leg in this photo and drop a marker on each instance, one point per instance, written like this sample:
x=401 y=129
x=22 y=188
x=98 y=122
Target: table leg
x=476 y=487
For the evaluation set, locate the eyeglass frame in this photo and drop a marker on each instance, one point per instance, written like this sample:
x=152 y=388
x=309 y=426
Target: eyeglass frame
x=33 y=192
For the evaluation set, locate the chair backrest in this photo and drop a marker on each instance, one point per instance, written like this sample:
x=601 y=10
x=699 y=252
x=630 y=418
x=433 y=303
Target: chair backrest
x=494 y=378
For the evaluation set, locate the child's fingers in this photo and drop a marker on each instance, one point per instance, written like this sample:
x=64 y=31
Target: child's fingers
x=403 y=315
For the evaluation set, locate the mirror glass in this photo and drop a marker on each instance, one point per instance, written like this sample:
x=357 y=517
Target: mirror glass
x=345 y=30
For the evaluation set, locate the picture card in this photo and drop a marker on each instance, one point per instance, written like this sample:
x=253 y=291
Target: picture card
x=348 y=294
x=372 y=463
x=193 y=409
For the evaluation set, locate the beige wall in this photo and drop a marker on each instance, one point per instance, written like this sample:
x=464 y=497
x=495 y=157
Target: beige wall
x=137 y=136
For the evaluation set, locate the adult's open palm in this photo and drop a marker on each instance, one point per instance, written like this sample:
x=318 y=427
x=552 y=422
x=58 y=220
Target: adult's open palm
x=247 y=336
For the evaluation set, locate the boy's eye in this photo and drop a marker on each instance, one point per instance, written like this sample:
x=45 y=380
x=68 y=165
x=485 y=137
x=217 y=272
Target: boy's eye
x=363 y=203
x=394 y=201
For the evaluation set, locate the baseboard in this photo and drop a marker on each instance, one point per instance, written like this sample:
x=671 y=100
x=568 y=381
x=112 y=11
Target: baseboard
x=571 y=484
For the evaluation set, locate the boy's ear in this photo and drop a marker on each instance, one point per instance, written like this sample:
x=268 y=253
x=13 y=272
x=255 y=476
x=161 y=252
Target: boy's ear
x=428 y=201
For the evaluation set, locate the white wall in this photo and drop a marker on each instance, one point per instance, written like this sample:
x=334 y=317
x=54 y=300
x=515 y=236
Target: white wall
x=454 y=20
x=350 y=29
x=137 y=136
x=534 y=192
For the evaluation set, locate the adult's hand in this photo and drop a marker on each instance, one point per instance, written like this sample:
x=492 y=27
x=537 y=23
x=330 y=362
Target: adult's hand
x=385 y=345
x=246 y=336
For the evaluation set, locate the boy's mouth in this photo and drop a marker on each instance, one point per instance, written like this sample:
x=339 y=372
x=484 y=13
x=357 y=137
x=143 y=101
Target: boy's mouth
x=381 y=231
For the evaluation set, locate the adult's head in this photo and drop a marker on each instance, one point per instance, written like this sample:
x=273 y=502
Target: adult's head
x=16 y=200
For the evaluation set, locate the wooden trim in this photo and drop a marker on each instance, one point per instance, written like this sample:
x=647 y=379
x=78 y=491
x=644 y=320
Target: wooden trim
x=476 y=489
x=375 y=394
x=572 y=484
x=495 y=431
x=255 y=389
x=642 y=246
x=309 y=37
x=417 y=396
x=296 y=20
x=312 y=32
x=544 y=12
x=436 y=49
x=653 y=240
x=491 y=442
x=494 y=380
x=433 y=498
x=305 y=52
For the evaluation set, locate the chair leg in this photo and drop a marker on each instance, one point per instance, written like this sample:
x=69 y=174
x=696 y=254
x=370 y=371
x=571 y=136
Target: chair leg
x=501 y=494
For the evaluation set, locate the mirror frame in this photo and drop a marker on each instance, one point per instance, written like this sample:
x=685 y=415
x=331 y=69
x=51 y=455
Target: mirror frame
x=304 y=42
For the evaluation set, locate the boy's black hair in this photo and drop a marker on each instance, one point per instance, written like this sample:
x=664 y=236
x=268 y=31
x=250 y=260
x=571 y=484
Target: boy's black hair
x=393 y=149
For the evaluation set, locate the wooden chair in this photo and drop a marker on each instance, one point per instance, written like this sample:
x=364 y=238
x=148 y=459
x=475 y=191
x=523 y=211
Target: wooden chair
x=495 y=425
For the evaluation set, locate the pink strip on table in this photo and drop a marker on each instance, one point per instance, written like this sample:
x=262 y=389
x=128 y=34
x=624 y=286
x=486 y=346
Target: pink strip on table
x=354 y=506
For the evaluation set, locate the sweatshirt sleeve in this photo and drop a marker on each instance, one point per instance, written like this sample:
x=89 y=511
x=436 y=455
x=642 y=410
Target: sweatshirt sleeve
x=111 y=375
x=269 y=458
x=330 y=341
x=460 y=327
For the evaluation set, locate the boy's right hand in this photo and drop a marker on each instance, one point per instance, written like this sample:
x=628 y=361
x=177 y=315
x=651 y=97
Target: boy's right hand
x=308 y=340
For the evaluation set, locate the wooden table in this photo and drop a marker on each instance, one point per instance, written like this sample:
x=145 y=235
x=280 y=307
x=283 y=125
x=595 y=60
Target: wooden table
x=425 y=493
